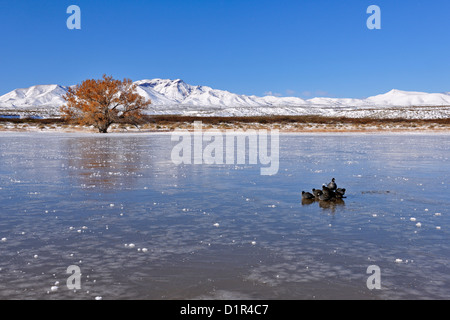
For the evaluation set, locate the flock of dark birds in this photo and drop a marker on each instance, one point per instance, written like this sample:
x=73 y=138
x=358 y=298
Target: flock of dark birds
x=329 y=192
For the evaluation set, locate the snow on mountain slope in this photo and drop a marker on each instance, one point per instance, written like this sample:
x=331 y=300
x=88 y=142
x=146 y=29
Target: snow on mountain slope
x=175 y=91
x=36 y=96
x=155 y=97
x=393 y=98
x=405 y=98
x=180 y=92
x=178 y=97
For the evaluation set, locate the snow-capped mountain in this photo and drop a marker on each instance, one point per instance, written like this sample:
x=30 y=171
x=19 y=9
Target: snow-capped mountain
x=178 y=97
x=405 y=98
x=179 y=92
x=36 y=96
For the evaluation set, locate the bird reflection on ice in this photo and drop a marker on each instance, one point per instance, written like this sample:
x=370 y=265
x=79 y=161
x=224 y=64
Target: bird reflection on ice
x=330 y=205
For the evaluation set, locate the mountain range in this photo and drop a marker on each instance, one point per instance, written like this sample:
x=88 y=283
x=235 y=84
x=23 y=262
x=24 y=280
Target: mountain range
x=178 y=97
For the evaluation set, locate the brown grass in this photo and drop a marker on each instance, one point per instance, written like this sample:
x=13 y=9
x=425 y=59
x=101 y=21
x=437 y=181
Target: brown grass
x=33 y=121
x=168 y=119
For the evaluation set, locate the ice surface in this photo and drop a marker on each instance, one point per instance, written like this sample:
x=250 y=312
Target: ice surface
x=268 y=244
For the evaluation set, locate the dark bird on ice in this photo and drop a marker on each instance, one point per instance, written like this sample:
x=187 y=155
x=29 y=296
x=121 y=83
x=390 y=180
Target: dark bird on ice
x=307 y=195
x=317 y=192
x=332 y=185
x=340 y=192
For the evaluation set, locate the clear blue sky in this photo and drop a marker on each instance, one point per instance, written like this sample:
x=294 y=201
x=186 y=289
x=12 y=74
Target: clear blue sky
x=301 y=48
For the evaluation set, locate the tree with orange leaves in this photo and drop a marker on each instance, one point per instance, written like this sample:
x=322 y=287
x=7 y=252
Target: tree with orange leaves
x=103 y=102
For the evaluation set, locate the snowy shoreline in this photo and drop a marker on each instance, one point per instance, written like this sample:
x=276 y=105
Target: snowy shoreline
x=301 y=129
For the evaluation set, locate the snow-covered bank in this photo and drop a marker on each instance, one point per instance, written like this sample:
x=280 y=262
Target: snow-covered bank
x=382 y=127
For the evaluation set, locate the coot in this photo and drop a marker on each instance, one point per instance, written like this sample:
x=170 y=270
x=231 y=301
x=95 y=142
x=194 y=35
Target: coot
x=307 y=195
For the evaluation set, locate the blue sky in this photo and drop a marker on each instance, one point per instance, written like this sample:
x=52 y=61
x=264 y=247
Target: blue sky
x=302 y=48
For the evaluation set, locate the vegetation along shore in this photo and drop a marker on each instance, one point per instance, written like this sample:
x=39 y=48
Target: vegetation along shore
x=164 y=123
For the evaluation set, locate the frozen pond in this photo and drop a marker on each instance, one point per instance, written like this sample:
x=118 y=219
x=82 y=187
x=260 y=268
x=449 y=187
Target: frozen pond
x=223 y=231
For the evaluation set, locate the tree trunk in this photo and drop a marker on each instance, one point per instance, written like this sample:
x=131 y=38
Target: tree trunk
x=103 y=128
